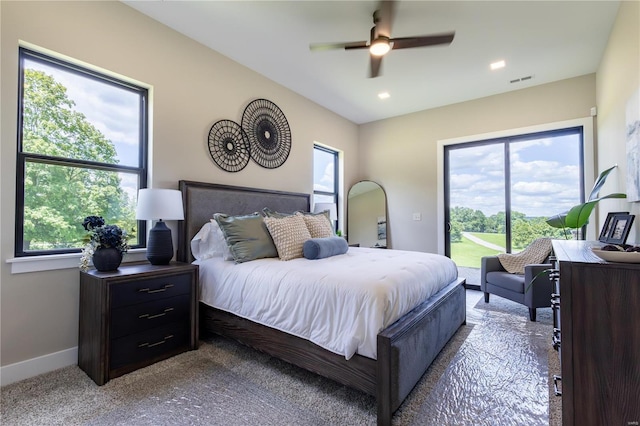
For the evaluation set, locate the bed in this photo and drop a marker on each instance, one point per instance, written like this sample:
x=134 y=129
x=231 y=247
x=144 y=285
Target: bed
x=404 y=350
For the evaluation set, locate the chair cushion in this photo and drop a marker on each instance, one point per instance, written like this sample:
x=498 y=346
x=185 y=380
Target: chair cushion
x=512 y=282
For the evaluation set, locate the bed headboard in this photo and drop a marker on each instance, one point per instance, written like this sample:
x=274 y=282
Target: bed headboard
x=201 y=200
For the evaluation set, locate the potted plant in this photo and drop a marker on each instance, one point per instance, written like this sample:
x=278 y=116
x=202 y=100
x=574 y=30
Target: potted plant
x=107 y=244
x=578 y=215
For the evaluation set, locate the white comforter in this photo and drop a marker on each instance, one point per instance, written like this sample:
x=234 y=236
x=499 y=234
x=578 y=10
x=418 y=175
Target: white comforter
x=339 y=303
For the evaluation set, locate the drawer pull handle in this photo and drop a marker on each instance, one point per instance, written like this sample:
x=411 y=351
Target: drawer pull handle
x=161 y=314
x=556 y=379
x=556 y=339
x=158 y=290
x=150 y=345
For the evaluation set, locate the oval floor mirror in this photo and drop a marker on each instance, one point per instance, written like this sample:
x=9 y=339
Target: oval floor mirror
x=367 y=215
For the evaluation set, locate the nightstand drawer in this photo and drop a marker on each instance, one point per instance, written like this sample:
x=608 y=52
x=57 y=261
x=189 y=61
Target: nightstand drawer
x=149 y=344
x=150 y=289
x=143 y=316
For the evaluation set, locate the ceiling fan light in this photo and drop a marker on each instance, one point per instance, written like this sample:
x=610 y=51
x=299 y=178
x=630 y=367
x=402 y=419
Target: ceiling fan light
x=379 y=47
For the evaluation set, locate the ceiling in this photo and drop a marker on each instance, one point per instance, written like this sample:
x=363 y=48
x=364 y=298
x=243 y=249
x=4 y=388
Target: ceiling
x=543 y=40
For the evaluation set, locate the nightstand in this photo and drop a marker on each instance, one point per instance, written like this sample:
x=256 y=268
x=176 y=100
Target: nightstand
x=136 y=316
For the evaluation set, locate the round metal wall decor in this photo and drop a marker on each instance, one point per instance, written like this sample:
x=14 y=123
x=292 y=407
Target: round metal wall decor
x=229 y=146
x=268 y=132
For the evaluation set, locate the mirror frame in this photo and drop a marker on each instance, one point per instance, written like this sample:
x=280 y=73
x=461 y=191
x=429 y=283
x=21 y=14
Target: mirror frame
x=349 y=213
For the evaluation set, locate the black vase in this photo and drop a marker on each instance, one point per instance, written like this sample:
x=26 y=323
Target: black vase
x=107 y=259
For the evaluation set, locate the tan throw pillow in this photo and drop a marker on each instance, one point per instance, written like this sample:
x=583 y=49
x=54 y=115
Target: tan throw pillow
x=289 y=234
x=318 y=225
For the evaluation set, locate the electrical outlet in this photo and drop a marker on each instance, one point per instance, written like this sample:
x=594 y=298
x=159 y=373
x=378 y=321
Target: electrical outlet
x=417 y=216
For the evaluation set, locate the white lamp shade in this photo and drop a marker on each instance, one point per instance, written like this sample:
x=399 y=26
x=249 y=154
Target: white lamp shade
x=159 y=204
x=320 y=207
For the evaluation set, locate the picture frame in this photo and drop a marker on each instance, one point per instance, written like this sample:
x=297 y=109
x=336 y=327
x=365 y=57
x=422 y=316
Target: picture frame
x=620 y=227
x=606 y=228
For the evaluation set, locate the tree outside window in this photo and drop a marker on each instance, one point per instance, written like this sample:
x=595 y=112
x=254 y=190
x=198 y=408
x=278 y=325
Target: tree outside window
x=81 y=151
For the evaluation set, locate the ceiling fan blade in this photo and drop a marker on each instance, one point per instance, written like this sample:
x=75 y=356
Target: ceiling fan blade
x=383 y=18
x=376 y=62
x=332 y=46
x=422 y=41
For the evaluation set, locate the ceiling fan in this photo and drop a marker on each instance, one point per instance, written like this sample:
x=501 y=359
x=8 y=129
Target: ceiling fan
x=380 y=41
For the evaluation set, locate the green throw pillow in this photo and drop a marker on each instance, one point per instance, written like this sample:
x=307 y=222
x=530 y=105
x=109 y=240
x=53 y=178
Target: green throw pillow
x=247 y=237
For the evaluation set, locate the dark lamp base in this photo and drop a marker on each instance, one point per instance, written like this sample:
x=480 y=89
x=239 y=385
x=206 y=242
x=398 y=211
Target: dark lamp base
x=160 y=245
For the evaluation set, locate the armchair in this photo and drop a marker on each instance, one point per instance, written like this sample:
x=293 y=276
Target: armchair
x=495 y=279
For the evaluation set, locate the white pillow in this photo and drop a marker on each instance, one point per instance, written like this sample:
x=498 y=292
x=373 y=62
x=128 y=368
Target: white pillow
x=209 y=242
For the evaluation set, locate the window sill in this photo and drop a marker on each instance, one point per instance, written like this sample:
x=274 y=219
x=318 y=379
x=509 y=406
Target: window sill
x=21 y=265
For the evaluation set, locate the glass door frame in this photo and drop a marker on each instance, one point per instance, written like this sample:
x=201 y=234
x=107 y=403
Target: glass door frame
x=588 y=152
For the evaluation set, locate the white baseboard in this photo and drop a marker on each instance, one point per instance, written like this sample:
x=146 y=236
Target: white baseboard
x=32 y=367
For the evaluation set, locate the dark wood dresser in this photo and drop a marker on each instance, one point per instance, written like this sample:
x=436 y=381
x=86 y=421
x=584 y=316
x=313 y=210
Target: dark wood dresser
x=135 y=316
x=598 y=337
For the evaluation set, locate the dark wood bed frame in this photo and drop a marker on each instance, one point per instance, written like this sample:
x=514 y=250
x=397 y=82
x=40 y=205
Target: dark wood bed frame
x=404 y=350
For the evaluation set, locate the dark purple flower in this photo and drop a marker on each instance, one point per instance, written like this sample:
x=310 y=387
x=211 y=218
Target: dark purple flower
x=92 y=222
x=105 y=236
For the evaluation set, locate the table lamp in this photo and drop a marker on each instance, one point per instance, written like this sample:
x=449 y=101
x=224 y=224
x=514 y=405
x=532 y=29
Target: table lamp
x=160 y=205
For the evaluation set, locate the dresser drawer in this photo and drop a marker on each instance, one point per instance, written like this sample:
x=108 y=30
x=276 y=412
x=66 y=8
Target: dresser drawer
x=144 y=316
x=150 y=344
x=146 y=290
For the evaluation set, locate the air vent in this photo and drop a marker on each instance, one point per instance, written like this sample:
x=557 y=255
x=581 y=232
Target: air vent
x=518 y=80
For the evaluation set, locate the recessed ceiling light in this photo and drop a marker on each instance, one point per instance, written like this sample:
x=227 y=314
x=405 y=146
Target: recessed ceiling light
x=497 y=65
x=384 y=95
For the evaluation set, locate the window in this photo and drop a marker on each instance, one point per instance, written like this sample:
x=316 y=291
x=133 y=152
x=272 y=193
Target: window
x=82 y=150
x=325 y=176
x=499 y=193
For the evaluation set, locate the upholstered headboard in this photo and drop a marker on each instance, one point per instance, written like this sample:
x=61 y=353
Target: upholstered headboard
x=201 y=200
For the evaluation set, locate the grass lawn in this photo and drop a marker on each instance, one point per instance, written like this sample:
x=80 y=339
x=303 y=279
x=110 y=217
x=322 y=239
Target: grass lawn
x=498 y=239
x=467 y=254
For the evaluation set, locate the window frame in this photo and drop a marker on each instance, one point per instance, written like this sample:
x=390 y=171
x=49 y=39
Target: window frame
x=335 y=193
x=578 y=130
x=22 y=158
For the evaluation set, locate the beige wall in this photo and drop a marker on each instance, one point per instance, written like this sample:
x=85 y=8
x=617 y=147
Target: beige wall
x=402 y=153
x=618 y=78
x=192 y=87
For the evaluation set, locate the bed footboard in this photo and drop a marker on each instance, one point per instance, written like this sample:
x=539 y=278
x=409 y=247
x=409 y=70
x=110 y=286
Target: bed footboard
x=408 y=347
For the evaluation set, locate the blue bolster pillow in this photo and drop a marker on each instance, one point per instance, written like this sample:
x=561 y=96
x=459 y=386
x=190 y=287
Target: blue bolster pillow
x=319 y=248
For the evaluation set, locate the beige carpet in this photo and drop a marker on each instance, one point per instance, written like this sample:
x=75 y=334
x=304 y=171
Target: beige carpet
x=226 y=383
x=220 y=383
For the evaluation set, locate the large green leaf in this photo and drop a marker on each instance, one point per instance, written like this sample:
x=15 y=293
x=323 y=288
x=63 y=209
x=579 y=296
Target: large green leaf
x=557 y=221
x=599 y=183
x=578 y=216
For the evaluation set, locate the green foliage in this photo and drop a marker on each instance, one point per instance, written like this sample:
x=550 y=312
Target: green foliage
x=523 y=229
x=578 y=215
x=455 y=234
x=57 y=197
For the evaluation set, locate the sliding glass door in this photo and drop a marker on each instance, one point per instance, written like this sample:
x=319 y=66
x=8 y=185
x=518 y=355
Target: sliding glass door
x=499 y=192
